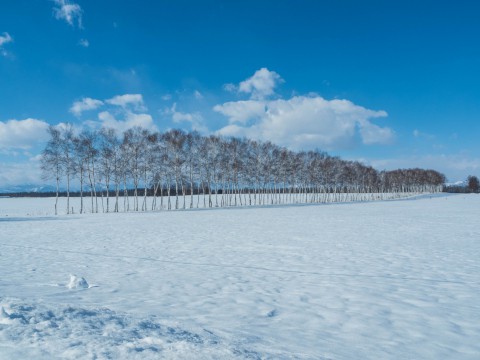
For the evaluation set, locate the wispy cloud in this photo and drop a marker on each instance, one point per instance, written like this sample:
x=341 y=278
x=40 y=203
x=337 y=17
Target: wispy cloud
x=198 y=95
x=5 y=38
x=69 y=12
x=84 y=43
x=230 y=87
x=419 y=134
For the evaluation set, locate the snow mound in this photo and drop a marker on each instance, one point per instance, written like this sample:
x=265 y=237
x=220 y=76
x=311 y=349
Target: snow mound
x=67 y=332
x=77 y=282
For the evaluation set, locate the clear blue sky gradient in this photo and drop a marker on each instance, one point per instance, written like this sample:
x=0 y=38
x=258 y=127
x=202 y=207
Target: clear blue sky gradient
x=417 y=60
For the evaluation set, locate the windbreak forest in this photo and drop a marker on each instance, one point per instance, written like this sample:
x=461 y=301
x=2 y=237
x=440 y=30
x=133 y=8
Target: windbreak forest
x=141 y=170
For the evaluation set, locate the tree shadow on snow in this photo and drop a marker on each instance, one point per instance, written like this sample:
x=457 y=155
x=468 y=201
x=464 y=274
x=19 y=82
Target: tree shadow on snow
x=18 y=219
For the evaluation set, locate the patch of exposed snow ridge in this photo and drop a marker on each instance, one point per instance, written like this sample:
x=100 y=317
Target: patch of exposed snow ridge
x=77 y=282
x=42 y=331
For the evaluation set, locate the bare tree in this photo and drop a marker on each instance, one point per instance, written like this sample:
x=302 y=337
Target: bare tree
x=134 y=146
x=175 y=142
x=192 y=144
x=51 y=161
x=87 y=141
x=473 y=184
x=235 y=171
x=67 y=157
x=110 y=162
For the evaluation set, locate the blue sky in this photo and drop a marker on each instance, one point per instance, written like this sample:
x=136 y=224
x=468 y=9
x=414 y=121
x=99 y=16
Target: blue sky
x=390 y=83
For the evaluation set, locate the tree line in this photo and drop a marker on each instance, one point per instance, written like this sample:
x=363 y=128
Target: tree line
x=140 y=170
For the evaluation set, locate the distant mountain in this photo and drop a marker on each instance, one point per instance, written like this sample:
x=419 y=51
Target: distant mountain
x=26 y=188
x=457 y=183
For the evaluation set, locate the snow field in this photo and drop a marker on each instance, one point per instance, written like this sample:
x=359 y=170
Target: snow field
x=363 y=280
x=46 y=206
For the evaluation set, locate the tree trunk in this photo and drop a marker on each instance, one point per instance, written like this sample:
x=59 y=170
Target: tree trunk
x=56 y=195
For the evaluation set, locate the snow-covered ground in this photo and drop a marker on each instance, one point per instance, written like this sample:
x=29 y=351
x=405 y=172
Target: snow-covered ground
x=46 y=206
x=396 y=279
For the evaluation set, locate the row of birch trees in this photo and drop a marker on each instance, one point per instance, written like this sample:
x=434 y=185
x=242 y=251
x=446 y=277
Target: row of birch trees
x=141 y=170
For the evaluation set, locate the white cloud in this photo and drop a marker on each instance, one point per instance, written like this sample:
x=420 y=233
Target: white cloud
x=68 y=11
x=241 y=111
x=195 y=119
x=22 y=134
x=5 y=39
x=85 y=104
x=167 y=97
x=304 y=122
x=261 y=84
x=84 y=42
x=374 y=134
x=106 y=119
x=134 y=100
x=127 y=111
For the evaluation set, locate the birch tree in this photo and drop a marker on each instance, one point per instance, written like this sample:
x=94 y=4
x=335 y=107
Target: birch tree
x=51 y=161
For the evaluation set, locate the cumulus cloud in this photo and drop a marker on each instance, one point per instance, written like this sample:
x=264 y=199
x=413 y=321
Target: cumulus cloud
x=128 y=100
x=22 y=134
x=5 y=38
x=121 y=112
x=304 y=122
x=85 y=104
x=68 y=11
x=130 y=120
x=242 y=111
x=261 y=85
x=374 y=134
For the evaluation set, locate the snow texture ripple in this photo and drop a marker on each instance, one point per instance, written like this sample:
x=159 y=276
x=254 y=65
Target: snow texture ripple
x=380 y=280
